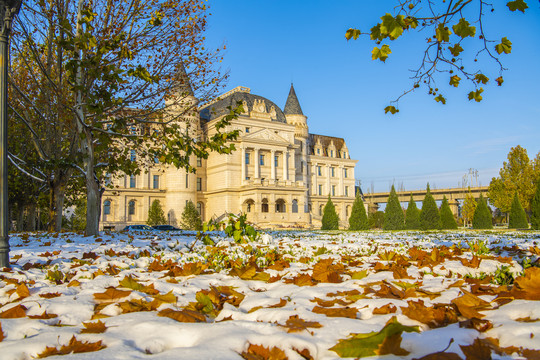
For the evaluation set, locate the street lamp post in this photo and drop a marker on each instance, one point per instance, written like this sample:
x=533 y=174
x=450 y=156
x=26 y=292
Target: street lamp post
x=8 y=11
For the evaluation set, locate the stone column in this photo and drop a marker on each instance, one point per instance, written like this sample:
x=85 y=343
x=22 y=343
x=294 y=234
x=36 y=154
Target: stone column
x=273 y=164
x=257 y=165
x=285 y=165
x=243 y=163
x=341 y=185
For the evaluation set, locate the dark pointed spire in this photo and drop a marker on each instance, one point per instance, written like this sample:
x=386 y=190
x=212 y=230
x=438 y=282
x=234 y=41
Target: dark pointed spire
x=292 y=106
x=183 y=84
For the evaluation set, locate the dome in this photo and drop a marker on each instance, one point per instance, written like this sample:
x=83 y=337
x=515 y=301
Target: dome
x=240 y=94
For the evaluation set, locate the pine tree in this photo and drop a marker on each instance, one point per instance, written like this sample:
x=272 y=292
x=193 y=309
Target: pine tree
x=155 y=214
x=482 y=216
x=393 y=214
x=358 y=219
x=535 y=208
x=191 y=219
x=429 y=215
x=330 y=219
x=412 y=216
x=447 y=218
x=518 y=218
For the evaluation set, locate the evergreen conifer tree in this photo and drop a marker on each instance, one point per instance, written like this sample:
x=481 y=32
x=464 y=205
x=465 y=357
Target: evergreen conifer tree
x=482 y=216
x=447 y=218
x=429 y=215
x=155 y=214
x=535 y=208
x=330 y=219
x=191 y=219
x=412 y=216
x=393 y=214
x=518 y=217
x=358 y=219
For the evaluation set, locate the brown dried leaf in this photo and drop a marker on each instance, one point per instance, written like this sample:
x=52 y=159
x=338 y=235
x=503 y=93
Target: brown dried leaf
x=183 y=315
x=326 y=271
x=74 y=346
x=74 y=283
x=18 y=311
x=528 y=286
x=469 y=304
x=477 y=324
x=305 y=354
x=1 y=333
x=436 y=316
x=336 y=312
x=259 y=352
x=441 y=355
x=22 y=291
x=93 y=327
x=473 y=263
x=50 y=295
x=110 y=295
x=296 y=324
x=301 y=280
x=43 y=316
x=478 y=350
x=385 y=309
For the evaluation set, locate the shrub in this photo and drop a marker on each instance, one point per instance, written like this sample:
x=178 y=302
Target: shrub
x=412 y=216
x=358 y=219
x=191 y=219
x=518 y=218
x=393 y=214
x=156 y=216
x=429 y=215
x=447 y=218
x=482 y=216
x=376 y=220
x=330 y=219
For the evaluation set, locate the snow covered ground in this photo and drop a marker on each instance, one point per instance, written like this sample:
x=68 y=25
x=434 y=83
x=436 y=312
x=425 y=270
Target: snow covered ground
x=289 y=295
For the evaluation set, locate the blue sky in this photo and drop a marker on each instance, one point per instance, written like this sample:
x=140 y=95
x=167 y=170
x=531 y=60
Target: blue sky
x=343 y=92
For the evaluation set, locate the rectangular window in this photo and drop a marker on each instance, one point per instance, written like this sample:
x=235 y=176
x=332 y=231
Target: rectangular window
x=346 y=191
x=302 y=167
x=199 y=184
x=261 y=159
x=156 y=160
x=331 y=153
x=199 y=162
x=156 y=181
x=133 y=155
x=132 y=182
x=318 y=151
x=276 y=161
x=345 y=172
x=332 y=171
x=319 y=171
x=247 y=158
x=247 y=130
x=333 y=190
x=320 y=189
x=187 y=181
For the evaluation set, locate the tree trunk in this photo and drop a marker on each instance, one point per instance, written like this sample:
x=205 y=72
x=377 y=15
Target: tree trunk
x=93 y=189
x=31 y=220
x=20 y=217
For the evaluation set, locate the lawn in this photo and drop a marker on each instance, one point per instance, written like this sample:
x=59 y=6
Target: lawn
x=288 y=295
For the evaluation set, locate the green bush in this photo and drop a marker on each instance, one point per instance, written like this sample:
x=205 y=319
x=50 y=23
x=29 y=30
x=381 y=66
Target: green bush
x=429 y=215
x=393 y=214
x=358 y=219
x=412 y=216
x=535 y=208
x=191 y=219
x=448 y=222
x=330 y=219
x=376 y=220
x=482 y=216
x=156 y=216
x=518 y=217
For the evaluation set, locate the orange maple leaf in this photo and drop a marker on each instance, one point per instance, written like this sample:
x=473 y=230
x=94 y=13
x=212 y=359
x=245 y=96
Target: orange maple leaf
x=259 y=352
x=18 y=311
x=110 y=295
x=336 y=312
x=74 y=346
x=183 y=315
x=296 y=324
x=93 y=327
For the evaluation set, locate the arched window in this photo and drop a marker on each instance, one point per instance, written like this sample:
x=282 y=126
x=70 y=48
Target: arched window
x=320 y=210
x=264 y=206
x=199 y=208
x=131 y=207
x=280 y=206
x=249 y=205
x=107 y=207
x=294 y=206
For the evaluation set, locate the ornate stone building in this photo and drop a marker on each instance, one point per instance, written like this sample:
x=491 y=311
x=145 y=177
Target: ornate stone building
x=280 y=175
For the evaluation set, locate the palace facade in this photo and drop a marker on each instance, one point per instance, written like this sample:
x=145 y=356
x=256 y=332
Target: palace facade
x=280 y=175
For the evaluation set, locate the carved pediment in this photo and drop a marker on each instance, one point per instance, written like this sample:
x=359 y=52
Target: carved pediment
x=266 y=136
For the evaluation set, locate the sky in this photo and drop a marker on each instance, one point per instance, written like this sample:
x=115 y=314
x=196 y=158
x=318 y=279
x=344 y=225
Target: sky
x=343 y=92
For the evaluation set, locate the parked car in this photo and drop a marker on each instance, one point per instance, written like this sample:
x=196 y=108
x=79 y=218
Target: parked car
x=136 y=228
x=165 y=228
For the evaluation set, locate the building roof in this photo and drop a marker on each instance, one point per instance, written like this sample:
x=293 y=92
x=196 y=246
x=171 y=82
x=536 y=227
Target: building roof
x=292 y=105
x=182 y=84
x=325 y=142
x=218 y=108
